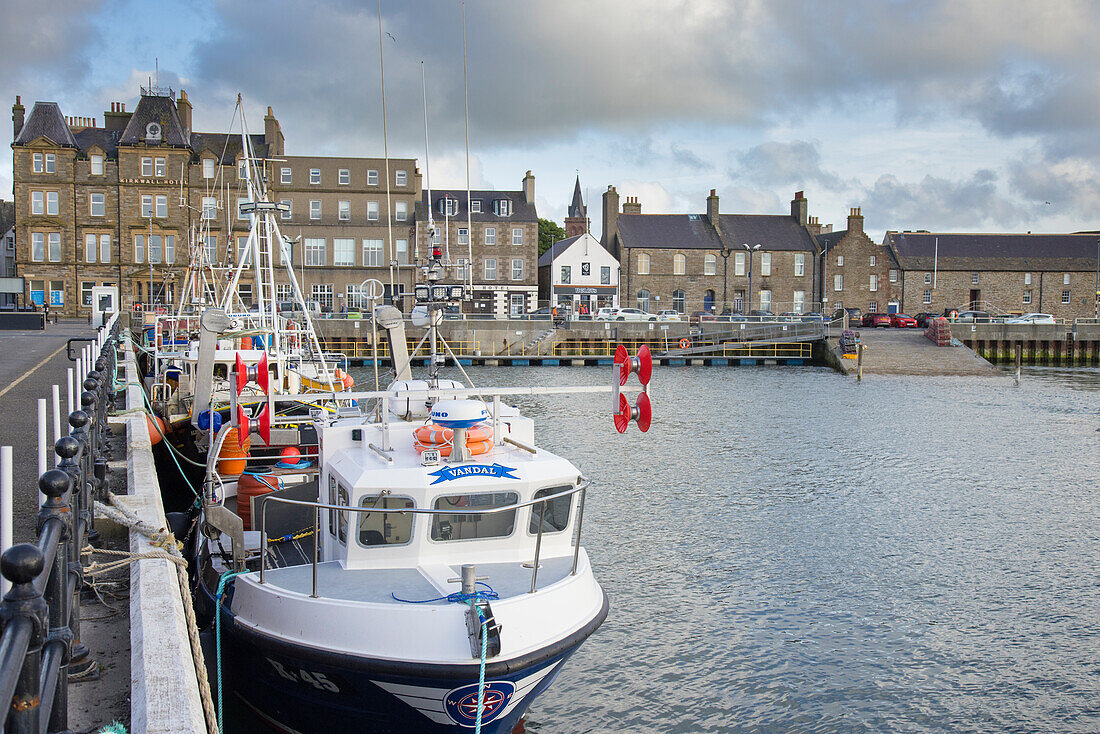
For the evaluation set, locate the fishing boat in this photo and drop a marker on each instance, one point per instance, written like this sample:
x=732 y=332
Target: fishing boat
x=427 y=575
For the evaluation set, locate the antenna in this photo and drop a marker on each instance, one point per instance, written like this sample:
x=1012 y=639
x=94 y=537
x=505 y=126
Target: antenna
x=386 y=153
x=468 y=280
x=427 y=165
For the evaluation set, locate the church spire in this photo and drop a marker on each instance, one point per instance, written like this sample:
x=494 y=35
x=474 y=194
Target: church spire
x=576 y=219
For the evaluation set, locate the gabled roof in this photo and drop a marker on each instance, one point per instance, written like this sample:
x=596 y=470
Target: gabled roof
x=577 y=209
x=7 y=216
x=521 y=210
x=1017 y=252
x=557 y=249
x=46 y=121
x=829 y=240
x=226 y=146
x=695 y=232
x=160 y=110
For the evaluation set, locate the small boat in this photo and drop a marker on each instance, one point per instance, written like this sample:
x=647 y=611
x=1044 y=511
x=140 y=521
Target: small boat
x=427 y=575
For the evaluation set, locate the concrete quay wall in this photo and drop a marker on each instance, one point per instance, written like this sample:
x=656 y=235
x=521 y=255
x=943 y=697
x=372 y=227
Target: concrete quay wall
x=1045 y=344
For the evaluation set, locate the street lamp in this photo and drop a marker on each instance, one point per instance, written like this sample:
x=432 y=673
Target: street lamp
x=824 y=280
x=725 y=276
x=751 y=250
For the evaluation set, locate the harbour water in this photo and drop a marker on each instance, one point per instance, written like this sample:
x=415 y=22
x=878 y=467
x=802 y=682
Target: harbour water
x=789 y=550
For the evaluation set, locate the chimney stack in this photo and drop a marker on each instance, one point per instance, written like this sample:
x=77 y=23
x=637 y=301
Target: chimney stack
x=800 y=208
x=632 y=205
x=712 y=210
x=273 y=134
x=529 y=188
x=183 y=108
x=18 y=114
x=855 y=221
x=117 y=118
x=610 y=219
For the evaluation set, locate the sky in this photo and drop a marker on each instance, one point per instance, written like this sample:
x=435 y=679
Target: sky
x=943 y=115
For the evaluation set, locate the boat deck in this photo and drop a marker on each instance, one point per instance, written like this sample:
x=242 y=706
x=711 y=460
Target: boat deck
x=375 y=585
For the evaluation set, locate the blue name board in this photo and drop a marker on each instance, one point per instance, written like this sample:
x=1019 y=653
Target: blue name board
x=449 y=473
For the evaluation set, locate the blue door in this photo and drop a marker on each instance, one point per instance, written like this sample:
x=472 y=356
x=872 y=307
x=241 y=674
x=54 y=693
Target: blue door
x=892 y=307
x=708 y=301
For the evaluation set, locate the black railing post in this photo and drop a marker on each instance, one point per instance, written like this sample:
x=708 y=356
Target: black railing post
x=59 y=598
x=22 y=614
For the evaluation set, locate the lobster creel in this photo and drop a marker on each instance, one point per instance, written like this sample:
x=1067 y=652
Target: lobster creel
x=479 y=439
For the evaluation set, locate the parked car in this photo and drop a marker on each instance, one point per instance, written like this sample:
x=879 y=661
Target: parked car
x=290 y=309
x=1032 y=318
x=668 y=315
x=902 y=321
x=762 y=314
x=606 y=314
x=855 y=316
x=972 y=316
x=874 y=320
x=812 y=316
x=923 y=318
x=634 y=314
x=790 y=316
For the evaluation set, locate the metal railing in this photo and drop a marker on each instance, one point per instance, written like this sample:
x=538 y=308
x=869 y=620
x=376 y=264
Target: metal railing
x=581 y=487
x=40 y=614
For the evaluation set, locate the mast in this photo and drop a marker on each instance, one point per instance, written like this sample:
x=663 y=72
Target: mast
x=386 y=153
x=468 y=280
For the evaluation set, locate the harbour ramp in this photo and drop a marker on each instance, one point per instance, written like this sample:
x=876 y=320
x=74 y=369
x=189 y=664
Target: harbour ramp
x=910 y=352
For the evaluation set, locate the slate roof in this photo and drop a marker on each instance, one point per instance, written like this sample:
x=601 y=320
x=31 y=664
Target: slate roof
x=46 y=120
x=829 y=240
x=228 y=142
x=695 y=232
x=1017 y=252
x=7 y=216
x=104 y=138
x=577 y=209
x=558 y=248
x=521 y=210
x=155 y=109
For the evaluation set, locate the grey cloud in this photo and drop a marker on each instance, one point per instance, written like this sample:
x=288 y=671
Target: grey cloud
x=940 y=203
x=773 y=164
x=1066 y=187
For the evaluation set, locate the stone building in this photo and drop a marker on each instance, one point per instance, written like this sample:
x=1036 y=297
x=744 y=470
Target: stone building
x=503 y=248
x=344 y=214
x=114 y=205
x=856 y=272
x=7 y=249
x=702 y=262
x=999 y=273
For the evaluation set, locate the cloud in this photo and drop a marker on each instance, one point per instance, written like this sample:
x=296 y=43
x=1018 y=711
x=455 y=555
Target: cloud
x=940 y=203
x=1060 y=187
x=771 y=164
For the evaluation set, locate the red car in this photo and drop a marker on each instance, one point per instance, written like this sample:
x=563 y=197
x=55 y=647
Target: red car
x=876 y=319
x=902 y=321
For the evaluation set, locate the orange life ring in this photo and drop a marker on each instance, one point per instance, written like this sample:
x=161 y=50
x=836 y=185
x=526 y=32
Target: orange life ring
x=432 y=435
x=685 y=343
x=344 y=379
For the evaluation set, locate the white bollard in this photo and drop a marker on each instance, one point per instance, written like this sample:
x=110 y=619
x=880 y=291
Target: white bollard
x=41 y=443
x=69 y=385
x=56 y=421
x=6 y=521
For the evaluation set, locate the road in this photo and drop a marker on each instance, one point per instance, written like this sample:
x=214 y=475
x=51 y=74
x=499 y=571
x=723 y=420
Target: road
x=30 y=363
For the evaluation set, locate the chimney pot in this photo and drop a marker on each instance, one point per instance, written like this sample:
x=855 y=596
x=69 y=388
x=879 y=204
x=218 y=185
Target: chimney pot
x=712 y=192
x=17 y=101
x=799 y=194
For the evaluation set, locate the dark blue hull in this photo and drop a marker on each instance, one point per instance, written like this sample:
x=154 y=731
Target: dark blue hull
x=294 y=688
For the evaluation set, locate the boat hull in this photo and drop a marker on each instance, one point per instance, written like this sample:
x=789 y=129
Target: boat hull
x=295 y=688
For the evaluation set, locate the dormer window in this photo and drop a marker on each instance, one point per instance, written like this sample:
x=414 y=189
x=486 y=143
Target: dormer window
x=502 y=207
x=475 y=206
x=448 y=206
x=95 y=163
x=208 y=168
x=242 y=169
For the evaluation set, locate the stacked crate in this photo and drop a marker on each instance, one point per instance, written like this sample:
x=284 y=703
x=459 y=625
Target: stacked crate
x=939 y=331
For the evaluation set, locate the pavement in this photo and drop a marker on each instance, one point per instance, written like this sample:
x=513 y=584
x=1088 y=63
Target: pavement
x=30 y=363
x=910 y=352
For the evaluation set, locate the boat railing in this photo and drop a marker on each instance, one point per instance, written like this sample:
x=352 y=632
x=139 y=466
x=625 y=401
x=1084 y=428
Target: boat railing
x=580 y=488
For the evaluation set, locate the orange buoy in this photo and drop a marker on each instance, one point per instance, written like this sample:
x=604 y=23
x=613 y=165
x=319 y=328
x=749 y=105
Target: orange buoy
x=438 y=435
x=232 y=459
x=157 y=428
x=290 y=455
x=253 y=484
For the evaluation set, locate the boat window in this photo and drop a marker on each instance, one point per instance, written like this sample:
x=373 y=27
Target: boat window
x=332 y=501
x=385 y=528
x=556 y=517
x=342 y=520
x=471 y=523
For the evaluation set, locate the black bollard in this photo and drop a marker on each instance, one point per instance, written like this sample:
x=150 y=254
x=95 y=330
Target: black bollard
x=23 y=609
x=62 y=584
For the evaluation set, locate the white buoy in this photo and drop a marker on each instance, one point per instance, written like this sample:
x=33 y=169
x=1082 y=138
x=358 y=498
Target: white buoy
x=6 y=520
